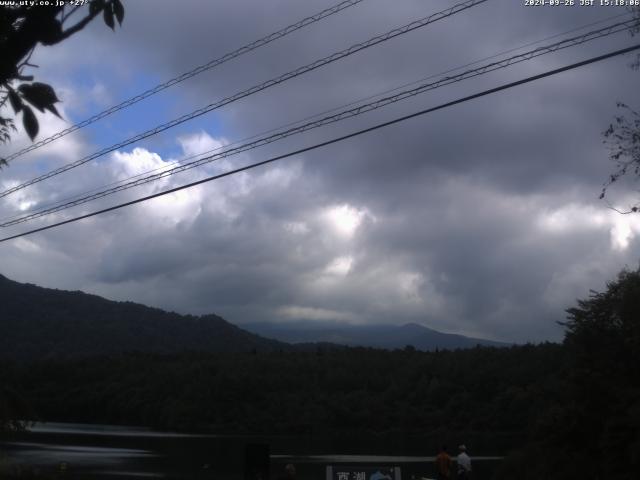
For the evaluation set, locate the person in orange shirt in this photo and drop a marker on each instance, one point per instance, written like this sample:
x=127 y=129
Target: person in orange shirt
x=443 y=464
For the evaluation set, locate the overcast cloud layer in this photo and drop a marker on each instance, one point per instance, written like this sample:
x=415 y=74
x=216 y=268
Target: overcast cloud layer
x=480 y=219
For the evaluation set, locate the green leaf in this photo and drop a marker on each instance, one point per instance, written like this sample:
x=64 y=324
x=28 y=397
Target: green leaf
x=30 y=122
x=15 y=100
x=108 y=16
x=40 y=95
x=118 y=9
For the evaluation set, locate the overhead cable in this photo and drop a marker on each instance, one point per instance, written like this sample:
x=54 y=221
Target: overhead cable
x=348 y=113
x=191 y=73
x=332 y=141
x=257 y=88
x=171 y=163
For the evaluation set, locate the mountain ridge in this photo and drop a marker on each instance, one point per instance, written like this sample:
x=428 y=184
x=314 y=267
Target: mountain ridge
x=38 y=322
x=386 y=336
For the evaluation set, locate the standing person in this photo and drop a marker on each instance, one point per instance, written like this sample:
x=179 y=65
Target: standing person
x=443 y=464
x=289 y=473
x=464 y=463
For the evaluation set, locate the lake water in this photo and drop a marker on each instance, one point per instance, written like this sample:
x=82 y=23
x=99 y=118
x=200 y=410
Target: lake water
x=110 y=452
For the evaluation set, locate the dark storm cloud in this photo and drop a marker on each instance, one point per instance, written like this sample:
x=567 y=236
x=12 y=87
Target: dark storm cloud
x=479 y=219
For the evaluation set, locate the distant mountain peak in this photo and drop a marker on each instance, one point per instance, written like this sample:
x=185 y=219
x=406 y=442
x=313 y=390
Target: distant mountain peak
x=378 y=336
x=414 y=327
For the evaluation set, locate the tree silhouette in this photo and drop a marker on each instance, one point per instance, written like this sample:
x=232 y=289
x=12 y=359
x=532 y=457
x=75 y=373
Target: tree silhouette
x=603 y=336
x=623 y=136
x=13 y=410
x=592 y=429
x=623 y=139
x=22 y=29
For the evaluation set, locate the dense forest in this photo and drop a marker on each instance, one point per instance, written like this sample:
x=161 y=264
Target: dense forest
x=479 y=390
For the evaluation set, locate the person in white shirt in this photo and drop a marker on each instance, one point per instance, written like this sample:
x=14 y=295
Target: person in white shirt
x=464 y=463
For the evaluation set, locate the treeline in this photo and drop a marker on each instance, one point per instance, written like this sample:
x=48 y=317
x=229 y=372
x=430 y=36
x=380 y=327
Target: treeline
x=481 y=391
x=591 y=429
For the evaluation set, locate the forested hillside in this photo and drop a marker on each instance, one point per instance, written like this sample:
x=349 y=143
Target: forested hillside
x=38 y=323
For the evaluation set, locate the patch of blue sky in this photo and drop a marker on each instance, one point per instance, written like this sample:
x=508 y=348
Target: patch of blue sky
x=41 y=166
x=144 y=115
x=165 y=143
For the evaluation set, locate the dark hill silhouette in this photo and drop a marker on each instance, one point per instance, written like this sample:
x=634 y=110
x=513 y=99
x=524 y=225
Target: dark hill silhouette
x=38 y=323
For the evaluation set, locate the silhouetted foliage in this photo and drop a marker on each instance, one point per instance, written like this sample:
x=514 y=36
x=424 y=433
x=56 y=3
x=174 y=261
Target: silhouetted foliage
x=623 y=137
x=13 y=410
x=635 y=31
x=488 y=394
x=22 y=29
x=592 y=430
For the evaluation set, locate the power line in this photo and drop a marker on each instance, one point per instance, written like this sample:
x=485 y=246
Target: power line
x=334 y=109
x=257 y=88
x=332 y=141
x=325 y=112
x=570 y=42
x=191 y=73
x=316 y=115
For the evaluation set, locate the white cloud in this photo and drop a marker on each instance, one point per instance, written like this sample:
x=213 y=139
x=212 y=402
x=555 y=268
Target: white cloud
x=570 y=218
x=573 y=218
x=100 y=95
x=340 y=266
x=27 y=245
x=410 y=285
x=297 y=228
x=574 y=281
x=139 y=160
x=296 y=312
x=21 y=200
x=64 y=150
x=177 y=207
x=624 y=230
x=200 y=143
x=345 y=219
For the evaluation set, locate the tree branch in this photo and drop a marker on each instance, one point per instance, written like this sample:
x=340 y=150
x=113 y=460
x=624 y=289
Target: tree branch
x=80 y=25
x=621 y=212
x=25 y=62
x=71 y=12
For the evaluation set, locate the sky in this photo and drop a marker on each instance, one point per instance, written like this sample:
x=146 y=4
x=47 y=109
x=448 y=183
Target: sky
x=480 y=219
